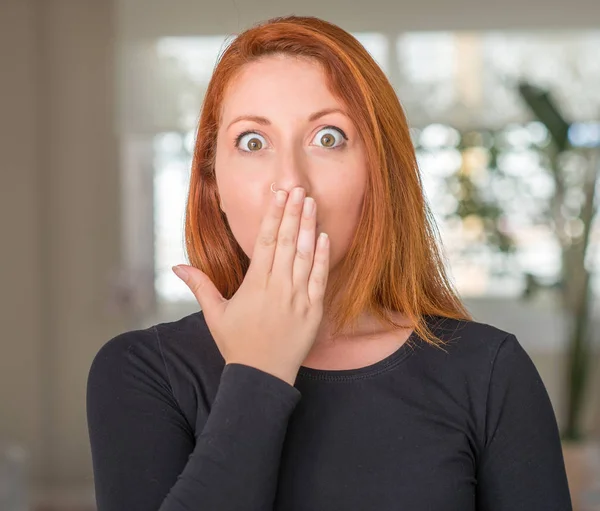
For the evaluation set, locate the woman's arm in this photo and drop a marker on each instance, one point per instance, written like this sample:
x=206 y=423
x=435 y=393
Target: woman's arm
x=521 y=466
x=147 y=457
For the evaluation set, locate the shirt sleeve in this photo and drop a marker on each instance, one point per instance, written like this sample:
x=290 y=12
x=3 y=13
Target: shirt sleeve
x=145 y=454
x=521 y=466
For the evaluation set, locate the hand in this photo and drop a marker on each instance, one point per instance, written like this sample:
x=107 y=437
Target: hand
x=272 y=320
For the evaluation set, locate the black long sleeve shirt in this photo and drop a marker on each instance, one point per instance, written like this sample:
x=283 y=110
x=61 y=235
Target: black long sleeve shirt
x=172 y=428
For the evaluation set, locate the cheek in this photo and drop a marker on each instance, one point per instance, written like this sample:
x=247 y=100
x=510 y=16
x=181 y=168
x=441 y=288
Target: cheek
x=243 y=208
x=244 y=220
x=341 y=209
x=239 y=177
x=243 y=198
x=343 y=219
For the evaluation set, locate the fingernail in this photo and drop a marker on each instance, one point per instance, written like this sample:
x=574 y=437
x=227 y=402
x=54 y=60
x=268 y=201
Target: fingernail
x=297 y=195
x=180 y=272
x=280 y=197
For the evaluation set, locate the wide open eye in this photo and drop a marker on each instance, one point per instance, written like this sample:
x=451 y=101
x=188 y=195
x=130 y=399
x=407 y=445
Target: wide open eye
x=250 y=142
x=330 y=137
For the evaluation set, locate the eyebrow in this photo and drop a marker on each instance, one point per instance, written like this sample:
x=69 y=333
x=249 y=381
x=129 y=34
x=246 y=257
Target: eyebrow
x=266 y=122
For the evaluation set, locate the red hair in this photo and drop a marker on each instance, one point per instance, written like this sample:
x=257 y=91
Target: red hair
x=394 y=262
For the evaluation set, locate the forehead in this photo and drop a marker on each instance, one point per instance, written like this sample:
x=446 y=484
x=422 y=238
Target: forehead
x=279 y=84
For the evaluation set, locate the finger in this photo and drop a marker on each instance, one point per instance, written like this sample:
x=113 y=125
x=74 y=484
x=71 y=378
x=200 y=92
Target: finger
x=208 y=296
x=305 y=246
x=266 y=240
x=317 y=283
x=287 y=238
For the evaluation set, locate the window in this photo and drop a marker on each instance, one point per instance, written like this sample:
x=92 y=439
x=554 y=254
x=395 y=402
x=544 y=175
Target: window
x=469 y=126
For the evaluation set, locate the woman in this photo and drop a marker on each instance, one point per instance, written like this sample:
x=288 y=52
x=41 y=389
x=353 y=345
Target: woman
x=322 y=373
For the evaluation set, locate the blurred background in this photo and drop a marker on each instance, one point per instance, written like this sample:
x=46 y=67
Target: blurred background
x=99 y=101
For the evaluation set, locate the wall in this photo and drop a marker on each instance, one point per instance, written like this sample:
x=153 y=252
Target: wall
x=60 y=224
x=60 y=192
x=149 y=18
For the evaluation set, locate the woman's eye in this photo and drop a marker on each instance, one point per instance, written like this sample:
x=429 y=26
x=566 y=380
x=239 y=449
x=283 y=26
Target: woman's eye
x=250 y=142
x=330 y=137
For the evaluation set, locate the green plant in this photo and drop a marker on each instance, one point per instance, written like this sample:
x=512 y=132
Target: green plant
x=569 y=211
x=572 y=225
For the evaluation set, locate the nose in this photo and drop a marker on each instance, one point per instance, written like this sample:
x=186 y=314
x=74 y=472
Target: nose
x=292 y=171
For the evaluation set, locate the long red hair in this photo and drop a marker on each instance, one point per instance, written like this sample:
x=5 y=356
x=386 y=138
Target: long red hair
x=395 y=261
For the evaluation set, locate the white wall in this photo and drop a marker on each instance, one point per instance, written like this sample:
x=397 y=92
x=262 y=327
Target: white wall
x=59 y=188
x=60 y=224
x=21 y=307
x=150 y=18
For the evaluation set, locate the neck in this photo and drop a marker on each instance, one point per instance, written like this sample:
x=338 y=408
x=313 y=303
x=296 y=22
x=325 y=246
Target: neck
x=366 y=326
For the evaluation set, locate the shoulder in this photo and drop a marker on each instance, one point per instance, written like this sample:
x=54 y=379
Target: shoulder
x=482 y=367
x=468 y=339
x=188 y=345
x=477 y=356
x=187 y=339
x=126 y=369
x=115 y=355
x=178 y=359
x=470 y=355
x=186 y=342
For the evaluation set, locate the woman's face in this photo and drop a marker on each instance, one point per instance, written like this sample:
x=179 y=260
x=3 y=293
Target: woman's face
x=281 y=123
